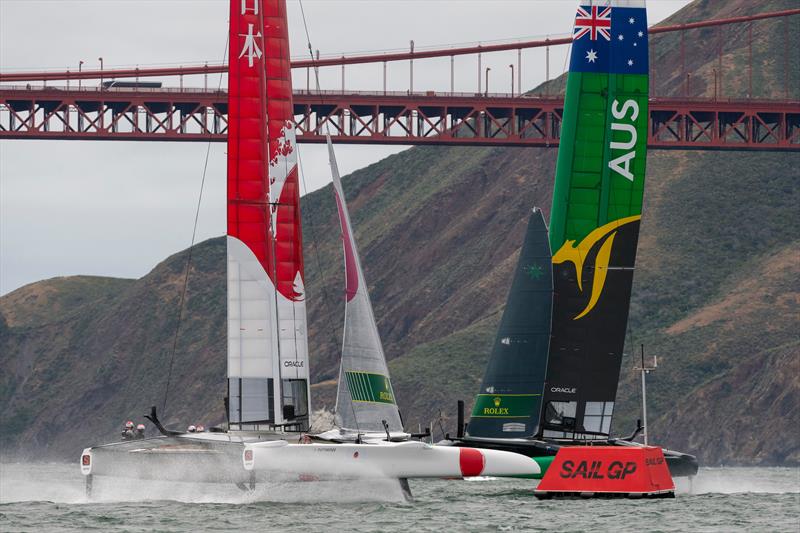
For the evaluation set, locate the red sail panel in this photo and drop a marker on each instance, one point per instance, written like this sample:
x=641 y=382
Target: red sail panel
x=350 y=272
x=248 y=182
x=283 y=159
x=259 y=94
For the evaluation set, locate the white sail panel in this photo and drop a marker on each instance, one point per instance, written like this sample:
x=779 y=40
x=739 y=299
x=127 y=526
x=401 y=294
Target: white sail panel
x=251 y=312
x=365 y=398
x=293 y=338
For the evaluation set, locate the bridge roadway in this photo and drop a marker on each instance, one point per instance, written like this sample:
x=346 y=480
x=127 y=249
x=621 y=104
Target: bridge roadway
x=94 y=113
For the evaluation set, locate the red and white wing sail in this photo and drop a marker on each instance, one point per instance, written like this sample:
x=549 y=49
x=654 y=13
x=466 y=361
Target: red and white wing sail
x=267 y=334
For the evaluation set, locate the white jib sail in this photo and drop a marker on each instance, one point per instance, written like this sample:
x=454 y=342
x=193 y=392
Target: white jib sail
x=365 y=398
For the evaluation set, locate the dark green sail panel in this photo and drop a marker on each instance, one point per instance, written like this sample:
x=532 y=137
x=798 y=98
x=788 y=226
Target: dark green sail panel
x=509 y=403
x=594 y=224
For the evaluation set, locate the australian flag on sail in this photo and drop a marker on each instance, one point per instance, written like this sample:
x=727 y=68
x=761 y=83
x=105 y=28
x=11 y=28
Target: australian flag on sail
x=610 y=39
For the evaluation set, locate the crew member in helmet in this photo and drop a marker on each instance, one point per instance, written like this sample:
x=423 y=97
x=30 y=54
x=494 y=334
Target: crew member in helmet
x=192 y=429
x=140 y=431
x=129 y=433
x=200 y=428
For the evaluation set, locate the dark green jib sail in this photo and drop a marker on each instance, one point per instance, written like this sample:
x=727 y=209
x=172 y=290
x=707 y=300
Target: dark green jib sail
x=511 y=394
x=594 y=224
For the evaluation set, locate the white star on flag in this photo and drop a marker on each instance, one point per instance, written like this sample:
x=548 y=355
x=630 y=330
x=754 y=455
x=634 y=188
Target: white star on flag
x=591 y=56
x=620 y=37
x=631 y=20
x=630 y=62
x=641 y=34
x=634 y=44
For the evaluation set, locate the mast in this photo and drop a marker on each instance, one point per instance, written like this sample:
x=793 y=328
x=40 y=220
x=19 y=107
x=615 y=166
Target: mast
x=644 y=369
x=267 y=333
x=364 y=398
x=597 y=206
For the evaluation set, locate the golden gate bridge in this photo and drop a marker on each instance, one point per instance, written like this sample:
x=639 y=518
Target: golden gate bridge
x=30 y=110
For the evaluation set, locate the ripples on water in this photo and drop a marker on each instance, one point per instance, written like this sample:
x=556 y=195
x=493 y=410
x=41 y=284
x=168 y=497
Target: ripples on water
x=51 y=497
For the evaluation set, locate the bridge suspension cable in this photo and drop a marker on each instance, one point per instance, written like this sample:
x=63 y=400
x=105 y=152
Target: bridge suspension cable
x=362 y=59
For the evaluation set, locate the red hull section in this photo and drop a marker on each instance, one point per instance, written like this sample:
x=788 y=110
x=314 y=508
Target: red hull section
x=607 y=471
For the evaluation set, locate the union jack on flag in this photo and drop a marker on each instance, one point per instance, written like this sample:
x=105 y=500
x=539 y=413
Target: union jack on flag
x=594 y=23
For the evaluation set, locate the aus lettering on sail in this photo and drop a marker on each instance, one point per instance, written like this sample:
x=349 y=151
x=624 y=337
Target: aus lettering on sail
x=625 y=116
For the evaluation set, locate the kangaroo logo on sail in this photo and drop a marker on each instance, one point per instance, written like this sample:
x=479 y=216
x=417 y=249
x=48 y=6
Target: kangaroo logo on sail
x=577 y=254
x=621 y=164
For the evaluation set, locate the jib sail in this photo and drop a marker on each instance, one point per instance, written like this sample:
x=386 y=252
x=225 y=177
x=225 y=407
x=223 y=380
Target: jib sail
x=267 y=339
x=365 y=398
x=510 y=399
x=594 y=224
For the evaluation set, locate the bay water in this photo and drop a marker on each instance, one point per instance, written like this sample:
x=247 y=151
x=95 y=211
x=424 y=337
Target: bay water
x=51 y=497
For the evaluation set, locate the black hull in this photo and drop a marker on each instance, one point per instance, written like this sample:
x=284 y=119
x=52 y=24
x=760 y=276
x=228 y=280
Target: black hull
x=680 y=464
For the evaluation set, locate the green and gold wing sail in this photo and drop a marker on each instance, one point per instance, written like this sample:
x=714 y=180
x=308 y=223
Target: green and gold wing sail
x=594 y=223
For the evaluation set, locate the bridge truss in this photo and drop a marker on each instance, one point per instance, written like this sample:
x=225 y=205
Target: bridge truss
x=383 y=118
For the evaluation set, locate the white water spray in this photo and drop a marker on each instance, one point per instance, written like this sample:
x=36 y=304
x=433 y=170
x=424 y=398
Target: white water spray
x=63 y=483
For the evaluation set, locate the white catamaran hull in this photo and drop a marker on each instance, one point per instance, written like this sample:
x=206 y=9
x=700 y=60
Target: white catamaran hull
x=412 y=459
x=231 y=460
x=177 y=458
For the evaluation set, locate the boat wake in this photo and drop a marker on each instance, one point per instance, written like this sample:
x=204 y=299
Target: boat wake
x=741 y=481
x=63 y=483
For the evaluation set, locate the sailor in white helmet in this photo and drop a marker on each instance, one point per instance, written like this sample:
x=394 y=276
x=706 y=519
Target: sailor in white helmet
x=140 y=431
x=191 y=429
x=128 y=433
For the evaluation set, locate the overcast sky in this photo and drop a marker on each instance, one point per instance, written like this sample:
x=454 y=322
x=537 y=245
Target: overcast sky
x=118 y=208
